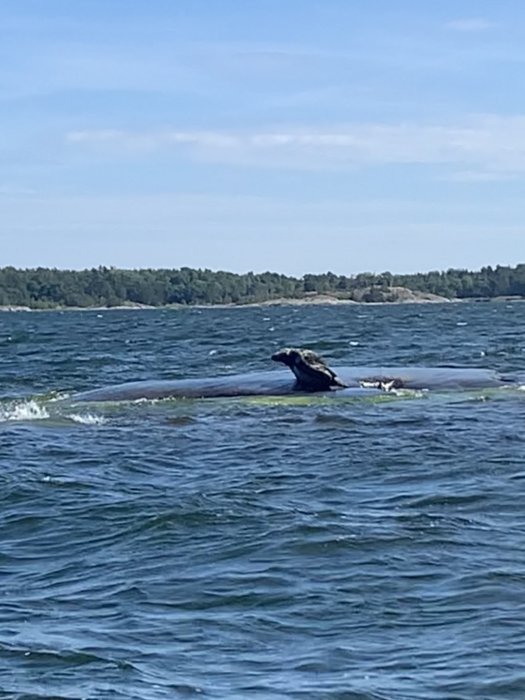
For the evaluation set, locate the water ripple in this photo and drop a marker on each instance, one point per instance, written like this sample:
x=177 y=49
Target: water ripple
x=269 y=549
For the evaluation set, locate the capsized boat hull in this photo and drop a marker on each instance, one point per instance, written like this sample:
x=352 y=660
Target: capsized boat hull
x=282 y=383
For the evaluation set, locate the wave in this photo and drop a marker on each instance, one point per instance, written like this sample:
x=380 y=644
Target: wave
x=30 y=410
x=87 y=419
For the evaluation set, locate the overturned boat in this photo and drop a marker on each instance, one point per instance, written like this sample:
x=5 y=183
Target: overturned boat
x=359 y=381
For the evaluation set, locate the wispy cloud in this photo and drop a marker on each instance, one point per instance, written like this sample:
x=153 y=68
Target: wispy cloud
x=15 y=191
x=485 y=145
x=470 y=24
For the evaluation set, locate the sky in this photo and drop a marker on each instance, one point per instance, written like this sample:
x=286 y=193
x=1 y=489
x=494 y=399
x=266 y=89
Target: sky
x=296 y=136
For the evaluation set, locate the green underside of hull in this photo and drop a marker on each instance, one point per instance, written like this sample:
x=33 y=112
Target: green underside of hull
x=280 y=383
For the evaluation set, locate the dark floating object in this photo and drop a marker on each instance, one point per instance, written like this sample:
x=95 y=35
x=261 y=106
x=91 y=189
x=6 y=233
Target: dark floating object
x=272 y=383
x=311 y=371
x=349 y=382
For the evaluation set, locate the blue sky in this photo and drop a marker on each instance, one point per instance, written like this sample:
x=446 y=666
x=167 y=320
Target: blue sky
x=287 y=135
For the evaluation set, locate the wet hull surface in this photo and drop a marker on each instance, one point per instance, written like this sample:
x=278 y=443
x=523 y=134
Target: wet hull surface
x=282 y=383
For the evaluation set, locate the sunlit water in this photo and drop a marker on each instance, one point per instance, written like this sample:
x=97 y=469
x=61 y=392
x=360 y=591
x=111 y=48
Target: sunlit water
x=296 y=547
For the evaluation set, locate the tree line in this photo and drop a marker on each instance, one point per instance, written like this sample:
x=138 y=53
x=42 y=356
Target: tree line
x=42 y=288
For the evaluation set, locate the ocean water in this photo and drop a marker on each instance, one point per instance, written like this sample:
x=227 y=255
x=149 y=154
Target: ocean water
x=364 y=549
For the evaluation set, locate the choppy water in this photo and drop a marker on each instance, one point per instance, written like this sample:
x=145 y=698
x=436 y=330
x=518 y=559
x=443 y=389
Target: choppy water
x=260 y=548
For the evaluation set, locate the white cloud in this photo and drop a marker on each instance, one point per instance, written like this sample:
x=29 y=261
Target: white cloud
x=487 y=146
x=470 y=24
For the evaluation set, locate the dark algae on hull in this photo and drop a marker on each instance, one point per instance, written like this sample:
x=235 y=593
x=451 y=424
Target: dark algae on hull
x=269 y=546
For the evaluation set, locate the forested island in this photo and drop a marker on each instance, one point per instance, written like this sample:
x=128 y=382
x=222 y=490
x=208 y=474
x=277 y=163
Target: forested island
x=44 y=288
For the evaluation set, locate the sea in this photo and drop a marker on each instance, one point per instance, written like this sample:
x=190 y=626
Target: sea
x=362 y=548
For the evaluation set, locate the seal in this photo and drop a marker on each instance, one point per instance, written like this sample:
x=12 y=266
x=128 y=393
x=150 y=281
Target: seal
x=310 y=370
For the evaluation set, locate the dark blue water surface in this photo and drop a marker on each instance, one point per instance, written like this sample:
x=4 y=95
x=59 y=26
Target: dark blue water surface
x=292 y=547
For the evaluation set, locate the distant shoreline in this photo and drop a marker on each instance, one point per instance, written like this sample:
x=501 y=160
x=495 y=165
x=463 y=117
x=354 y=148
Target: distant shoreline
x=320 y=300
x=103 y=287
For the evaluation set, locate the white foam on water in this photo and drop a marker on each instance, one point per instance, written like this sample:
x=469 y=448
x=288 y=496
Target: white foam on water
x=22 y=411
x=30 y=410
x=87 y=419
x=59 y=396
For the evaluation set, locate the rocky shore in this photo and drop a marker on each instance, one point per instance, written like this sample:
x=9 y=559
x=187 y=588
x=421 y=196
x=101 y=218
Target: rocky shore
x=392 y=295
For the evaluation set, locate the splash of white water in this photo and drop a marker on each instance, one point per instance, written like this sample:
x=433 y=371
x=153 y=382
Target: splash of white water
x=87 y=419
x=22 y=411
